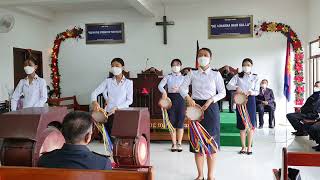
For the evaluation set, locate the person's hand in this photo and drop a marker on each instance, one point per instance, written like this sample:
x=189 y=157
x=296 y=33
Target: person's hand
x=308 y=121
x=190 y=101
x=164 y=95
x=113 y=110
x=95 y=106
x=238 y=90
x=266 y=103
x=206 y=105
x=249 y=93
x=175 y=89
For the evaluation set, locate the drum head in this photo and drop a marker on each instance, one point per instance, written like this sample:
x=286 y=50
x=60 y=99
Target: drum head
x=194 y=113
x=100 y=116
x=165 y=103
x=141 y=151
x=240 y=98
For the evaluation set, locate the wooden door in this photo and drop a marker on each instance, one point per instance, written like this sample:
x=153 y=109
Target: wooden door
x=19 y=56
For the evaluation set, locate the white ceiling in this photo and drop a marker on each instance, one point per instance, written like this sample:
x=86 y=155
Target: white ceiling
x=74 y=5
x=46 y=9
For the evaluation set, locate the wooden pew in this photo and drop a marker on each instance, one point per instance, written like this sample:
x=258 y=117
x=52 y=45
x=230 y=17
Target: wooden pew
x=296 y=159
x=29 y=173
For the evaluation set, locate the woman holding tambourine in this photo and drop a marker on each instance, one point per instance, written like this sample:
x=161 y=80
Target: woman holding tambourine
x=247 y=87
x=176 y=113
x=207 y=89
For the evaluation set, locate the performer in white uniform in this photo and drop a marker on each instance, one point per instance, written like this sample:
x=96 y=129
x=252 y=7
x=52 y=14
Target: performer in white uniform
x=248 y=83
x=207 y=89
x=177 y=111
x=32 y=88
x=117 y=92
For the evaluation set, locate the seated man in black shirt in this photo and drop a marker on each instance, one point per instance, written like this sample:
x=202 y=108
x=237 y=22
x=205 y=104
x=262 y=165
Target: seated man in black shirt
x=77 y=131
x=310 y=111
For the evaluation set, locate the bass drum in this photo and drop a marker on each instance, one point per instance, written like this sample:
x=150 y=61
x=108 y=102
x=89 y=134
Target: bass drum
x=26 y=152
x=131 y=152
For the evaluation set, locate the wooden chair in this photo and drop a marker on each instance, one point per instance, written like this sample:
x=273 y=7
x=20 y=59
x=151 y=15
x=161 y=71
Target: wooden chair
x=58 y=102
x=4 y=107
x=296 y=159
x=33 y=173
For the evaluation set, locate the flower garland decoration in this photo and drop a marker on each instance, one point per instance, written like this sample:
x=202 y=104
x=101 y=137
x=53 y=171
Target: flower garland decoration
x=298 y=51
x=74 y=33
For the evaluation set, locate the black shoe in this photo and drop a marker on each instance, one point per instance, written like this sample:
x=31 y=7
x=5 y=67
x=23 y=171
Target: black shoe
x=221 y=110
x=301 y=134
x=294 y=133
x=242 y=152
x=271 y=126
x=260 y=126
x=231 y=111
x=316 y=147
x=249 y=153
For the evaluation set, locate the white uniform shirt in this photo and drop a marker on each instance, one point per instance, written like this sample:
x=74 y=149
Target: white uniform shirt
x=173 y=80
x=249 y=83
x=117 y=95
x=206 y=85
x=35 y=94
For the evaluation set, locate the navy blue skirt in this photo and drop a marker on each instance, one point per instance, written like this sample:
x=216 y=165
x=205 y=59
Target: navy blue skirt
x=177 y=112
x=251 y=106
x=211 y=121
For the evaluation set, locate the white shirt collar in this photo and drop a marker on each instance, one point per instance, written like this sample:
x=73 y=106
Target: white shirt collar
x=121 y=81
x=34 y=78
x=206 y=71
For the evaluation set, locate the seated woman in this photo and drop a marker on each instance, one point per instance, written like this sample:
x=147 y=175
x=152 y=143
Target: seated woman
x=117 y=92
x=32 y=88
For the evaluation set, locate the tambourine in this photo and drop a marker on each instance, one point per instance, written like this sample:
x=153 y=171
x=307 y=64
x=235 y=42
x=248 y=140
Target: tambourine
x=240 y=98
x=194 y=113
x=100 y=116
x=165 y=103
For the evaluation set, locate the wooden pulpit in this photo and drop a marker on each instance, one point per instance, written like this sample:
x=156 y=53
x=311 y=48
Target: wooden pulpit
x=30 y=132
x=131 y=127
x=145 y=91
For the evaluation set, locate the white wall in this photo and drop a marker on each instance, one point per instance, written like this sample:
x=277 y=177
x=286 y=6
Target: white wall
x=28 y=33
x=83 y=66
x=313 y=33
x=314 y=14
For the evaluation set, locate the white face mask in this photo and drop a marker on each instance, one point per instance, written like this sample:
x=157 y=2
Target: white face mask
x=176 y=69
x=246 y=69
x=316 y=89
x=29 y=69
x=264 y=86
x=116 y=70
x=203 y=61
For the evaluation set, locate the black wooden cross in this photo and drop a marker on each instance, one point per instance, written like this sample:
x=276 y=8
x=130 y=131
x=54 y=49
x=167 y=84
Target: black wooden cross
x=164 y=23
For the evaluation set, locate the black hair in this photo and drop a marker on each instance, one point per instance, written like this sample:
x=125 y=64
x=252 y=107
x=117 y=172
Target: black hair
x=206 y=49
x=265 y=80
x=32 y=59
x=119 y=60
x=176 y=60
x=317 y=82
x=241 y=74
x=75 y=125
x=247 y=60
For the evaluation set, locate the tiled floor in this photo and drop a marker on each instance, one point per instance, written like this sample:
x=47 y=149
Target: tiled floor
x=230 y=165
